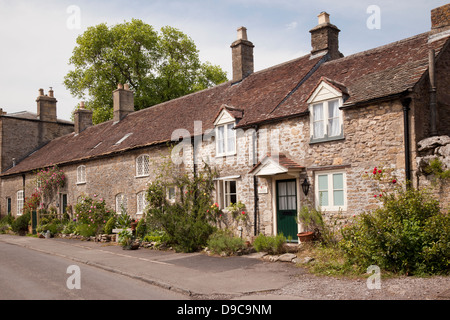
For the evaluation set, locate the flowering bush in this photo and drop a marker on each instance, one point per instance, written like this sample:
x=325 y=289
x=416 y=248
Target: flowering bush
x=238 y=212
x=48 y=182
x=408 y=234
x=92 y=212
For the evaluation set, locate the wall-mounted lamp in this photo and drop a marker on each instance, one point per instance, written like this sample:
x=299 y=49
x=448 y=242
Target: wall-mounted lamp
x=305 y=186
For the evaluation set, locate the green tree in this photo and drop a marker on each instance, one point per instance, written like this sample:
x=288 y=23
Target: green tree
x=157 y=66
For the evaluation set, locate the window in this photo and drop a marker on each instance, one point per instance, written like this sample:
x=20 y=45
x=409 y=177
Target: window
x=142 y=166
x=19 y=202
x=287 y=195
x=225 y=140
x=326 y=120
x=227 y=193
x=171 y=194
x=125 y=137
x=81 y=174
x=331 y=191
x=141 y=202
x=8 y=206
x=121 y=203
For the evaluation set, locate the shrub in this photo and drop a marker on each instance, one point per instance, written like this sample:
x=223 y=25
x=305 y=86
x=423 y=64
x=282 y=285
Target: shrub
x=5 y=223
x=270 y=244
x=86 y=230
x=69 y=227
x=55 y=226
x=225 y=241
x=110 y=225
x=20 y=225
x=408 y=235
x=92 y=213
x=188 y=221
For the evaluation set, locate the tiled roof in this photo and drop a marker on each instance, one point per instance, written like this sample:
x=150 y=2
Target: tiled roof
x=271 y=94
x=372 y=74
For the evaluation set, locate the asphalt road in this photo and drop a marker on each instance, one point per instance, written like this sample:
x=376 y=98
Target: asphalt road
x=31 y=275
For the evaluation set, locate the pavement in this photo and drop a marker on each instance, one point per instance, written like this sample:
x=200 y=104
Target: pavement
x=193 y=274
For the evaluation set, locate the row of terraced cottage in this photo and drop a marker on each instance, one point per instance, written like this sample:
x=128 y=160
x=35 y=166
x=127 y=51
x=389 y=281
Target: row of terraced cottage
x=299 y=133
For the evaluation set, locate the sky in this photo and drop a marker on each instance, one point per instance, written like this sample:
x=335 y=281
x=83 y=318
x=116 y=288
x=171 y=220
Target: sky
x=37 y=37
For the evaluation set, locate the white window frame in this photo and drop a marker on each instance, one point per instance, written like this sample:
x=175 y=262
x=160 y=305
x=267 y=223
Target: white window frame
x=20 y=202
x=121 y=199
x=330 y=190
x=324 y=94
x=141 y=202
x=224 y=193
x=81 y=174
x=326 y=121
x=171 y=196
x=224 y=141
x=143 y=166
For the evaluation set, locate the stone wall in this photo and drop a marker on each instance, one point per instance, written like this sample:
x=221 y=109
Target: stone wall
x=19 y=137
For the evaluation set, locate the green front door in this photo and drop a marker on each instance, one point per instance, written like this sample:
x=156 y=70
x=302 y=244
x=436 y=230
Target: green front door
x=287 y=208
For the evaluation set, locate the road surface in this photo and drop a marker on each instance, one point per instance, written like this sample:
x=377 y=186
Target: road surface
x=31 y=275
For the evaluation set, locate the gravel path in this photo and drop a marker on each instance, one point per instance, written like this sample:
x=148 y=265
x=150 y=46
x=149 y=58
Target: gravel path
x=313 y=287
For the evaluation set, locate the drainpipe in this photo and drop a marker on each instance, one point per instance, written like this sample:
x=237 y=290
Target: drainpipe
x=255 y=182
x=433 y=105
x=406 y=102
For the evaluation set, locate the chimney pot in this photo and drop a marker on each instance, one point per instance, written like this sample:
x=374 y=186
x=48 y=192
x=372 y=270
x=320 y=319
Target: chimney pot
x=120 y=86
x=324 y=18
x=50 y=92
x=82 y=105
x=126 y=86
x=41 y=92
x=242 y=33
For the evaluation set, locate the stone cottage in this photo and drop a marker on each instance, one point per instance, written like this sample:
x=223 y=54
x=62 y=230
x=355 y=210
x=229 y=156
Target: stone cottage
x=22 y=133
x=306 y=132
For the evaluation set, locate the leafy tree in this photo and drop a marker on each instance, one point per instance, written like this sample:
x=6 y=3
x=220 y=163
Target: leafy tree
x=157 y=66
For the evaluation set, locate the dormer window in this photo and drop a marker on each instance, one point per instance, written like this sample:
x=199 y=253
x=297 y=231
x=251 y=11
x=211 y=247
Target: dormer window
x=225 y=140
x=326 y=120
x=326 y=117
x=225 y=131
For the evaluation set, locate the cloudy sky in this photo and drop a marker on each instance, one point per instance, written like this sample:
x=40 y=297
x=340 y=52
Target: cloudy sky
x=37 y=37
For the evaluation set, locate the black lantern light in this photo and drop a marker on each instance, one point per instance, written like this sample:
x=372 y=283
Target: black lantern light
x=305 y=186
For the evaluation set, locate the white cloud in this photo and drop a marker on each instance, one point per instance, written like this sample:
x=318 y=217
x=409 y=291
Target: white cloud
x=292 y=25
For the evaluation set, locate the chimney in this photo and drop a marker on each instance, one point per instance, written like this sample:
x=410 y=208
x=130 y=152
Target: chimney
x=83 y=118
x=440 y=18
x=46 y=106
x=123 y=99
x=242 y=53
x=325 y=38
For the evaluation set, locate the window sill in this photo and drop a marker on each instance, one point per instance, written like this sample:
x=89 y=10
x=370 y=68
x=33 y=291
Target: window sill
x=80 y=183
x=326 y=139
x=143 y=176
x=226 y=155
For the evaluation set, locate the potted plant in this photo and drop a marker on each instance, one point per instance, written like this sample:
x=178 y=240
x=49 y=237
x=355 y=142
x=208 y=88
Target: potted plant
x=311 y=221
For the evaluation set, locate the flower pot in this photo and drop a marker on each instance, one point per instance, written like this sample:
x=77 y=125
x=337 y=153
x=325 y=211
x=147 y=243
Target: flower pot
x=305 y=236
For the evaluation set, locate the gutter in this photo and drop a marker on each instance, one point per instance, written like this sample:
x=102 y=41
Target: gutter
x=406 y=102
x=255 y=182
